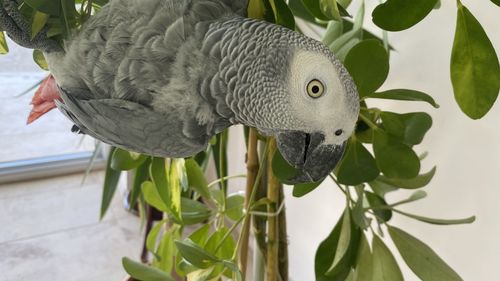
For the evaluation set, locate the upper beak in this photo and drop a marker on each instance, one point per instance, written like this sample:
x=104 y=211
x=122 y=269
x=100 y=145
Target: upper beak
x=313 y=159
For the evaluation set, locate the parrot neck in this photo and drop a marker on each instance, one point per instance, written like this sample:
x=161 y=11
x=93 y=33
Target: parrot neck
x=252 y=55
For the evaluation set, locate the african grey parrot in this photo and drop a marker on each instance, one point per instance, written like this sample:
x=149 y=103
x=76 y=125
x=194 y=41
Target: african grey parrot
x=161 y=77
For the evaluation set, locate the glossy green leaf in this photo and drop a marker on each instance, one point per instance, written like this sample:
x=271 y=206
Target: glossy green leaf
x=381 y=188
x=39 y=21
x=421 y=259
x=325 y=255
x=357 y=165
x=194 y=212
x=329 y=9
x=410 y=128
x=39 y=59
x=497 y=2
x=394 y=159
x=4 y=48
x=352 y=32
x=299 y=10
x=52 y=7
x=405 y=95
x=227 y=246
x=375 y=201
x=314 y=8
x=281 y=169
x=167 y=250
x=111 y=179
x=364 y=261
x=397 y=15
x=334 y=30
x=219 y=153
x=176 y=178
x=301 y=189
x=152 y=197
x=358 y=212
x=437 y=221
x=234 y=206
x=413 y=183
x=123 y=160
x=195 y=254
x=385 y=266
x=283 y=14
x=201 y=274
x=152 y=237
x=143 y=272
x=368 y=64
x=475 y=71
x=256 y=9
x=141 y=174
x=415 y=196
x=196 y=178
x=342 y=245
x=159 y=173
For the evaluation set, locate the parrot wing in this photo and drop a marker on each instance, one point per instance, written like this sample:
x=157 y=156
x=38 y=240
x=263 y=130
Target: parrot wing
x=133 y=126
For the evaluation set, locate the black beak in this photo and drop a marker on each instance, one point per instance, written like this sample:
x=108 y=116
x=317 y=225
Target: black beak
x=307 y=153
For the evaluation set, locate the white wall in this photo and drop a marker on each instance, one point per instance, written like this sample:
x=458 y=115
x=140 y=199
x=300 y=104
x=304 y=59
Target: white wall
x=466 y=152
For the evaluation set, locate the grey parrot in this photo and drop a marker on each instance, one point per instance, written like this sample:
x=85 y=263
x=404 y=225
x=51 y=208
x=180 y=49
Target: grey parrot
x=161 y=77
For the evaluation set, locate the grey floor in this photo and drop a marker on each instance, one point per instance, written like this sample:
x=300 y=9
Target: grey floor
x=50 y=230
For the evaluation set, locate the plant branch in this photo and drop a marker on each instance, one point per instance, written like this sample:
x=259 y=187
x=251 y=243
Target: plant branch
x=252 y=170
x=273 y=194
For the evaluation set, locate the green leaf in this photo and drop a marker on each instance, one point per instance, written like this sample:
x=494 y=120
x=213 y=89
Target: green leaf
x=352 y=32
x=167 y=250
x=39 y=58
x=299 y=10
x=334 y=30
x=497 y=2
x=358 y=212
x=52 y=7
x=357 y=166
x=326 y=254
x=281 y=169
x=437 y=221
x=421 y=259
x=364 y=261
x=152 y=197
x=368 y=64
x=111 y=179
x=195 y=254
x=39 y=21
x=375 y=202
x=397 y=15
x=405 y=95
x=196 y=178
x=475 y=71
x=141 y=175
x=152 y=236
x=283 y=14
x=143 y=272
x=123 y=160
x=4 y=48
x=314 y=8
x=415 y=196
x=342 y=245
x=201 y=274
x=234 y=207
x=194 y=212
x=227 y=248
x=414 y=183
x=385 y=266
x=329 y=9
x=177 y=175
x=159 y=175
x=410 y=128
x=394 y=159
x=302 y=189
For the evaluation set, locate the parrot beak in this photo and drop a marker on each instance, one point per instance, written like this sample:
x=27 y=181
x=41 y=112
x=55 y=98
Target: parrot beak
x=307 y=153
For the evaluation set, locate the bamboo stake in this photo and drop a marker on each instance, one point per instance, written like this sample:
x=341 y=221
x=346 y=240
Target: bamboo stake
x=273 y=194
x=252 y=170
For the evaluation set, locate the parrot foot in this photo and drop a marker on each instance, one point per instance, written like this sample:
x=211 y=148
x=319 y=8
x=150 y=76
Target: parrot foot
x=19 y=30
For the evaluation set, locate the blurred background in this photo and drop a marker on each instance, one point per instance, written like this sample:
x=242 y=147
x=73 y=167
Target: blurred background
x=50 y=229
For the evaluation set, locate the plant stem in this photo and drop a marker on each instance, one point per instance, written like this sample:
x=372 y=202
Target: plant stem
x=273 y=194
x=252 y=170
x=283 y=240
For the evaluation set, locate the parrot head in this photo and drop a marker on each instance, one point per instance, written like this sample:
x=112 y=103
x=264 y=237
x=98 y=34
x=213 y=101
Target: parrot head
x=315 y=105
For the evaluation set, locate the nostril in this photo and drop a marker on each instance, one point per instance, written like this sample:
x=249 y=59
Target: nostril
x=339 y=132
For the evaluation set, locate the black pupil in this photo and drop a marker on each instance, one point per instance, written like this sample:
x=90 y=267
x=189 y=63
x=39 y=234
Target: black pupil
x=315 y=89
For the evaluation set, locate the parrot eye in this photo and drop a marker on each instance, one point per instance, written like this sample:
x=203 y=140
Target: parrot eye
x=315 y=89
